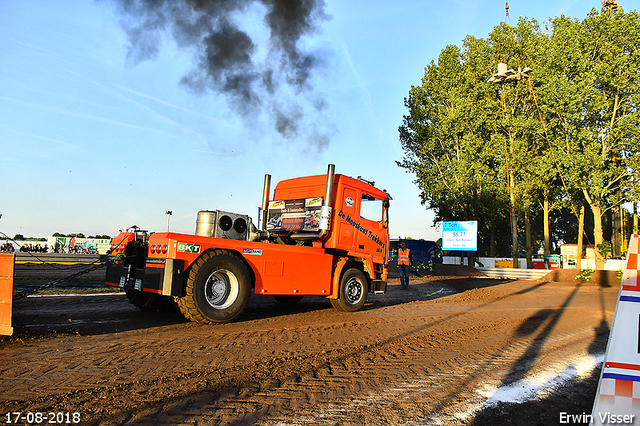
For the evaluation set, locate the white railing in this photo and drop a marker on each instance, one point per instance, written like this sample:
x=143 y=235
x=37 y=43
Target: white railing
x=489 y=262
x=520 y=274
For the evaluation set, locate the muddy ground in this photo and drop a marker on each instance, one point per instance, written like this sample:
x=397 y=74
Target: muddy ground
x=454 y=349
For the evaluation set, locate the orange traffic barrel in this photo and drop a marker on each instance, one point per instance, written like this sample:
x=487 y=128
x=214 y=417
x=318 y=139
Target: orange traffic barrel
x=7 y=262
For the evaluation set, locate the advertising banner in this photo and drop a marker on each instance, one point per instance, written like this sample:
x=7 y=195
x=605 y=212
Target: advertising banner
x=295 y=215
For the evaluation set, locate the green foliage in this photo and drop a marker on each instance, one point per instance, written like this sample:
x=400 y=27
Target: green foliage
x=567 y=134
x=20 y=237
x=76 y=235
x=585 y=274
x=604 y=248
x=424 y=267
x=619 y=274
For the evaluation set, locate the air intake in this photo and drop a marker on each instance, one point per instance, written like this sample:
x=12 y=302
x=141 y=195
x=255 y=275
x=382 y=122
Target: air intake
x=219 y=224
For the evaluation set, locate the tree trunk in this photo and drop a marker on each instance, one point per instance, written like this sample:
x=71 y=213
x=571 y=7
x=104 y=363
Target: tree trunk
x=527 y=231
x=514 y=226
x=471 y=259
x=492 y=233
x=635 y=217
x=514 y=238
x=597 y=235
x=616 y=236
x=547 y=233
x=580 y=234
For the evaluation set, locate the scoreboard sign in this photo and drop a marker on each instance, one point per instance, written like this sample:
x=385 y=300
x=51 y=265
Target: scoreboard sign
x=461 y=236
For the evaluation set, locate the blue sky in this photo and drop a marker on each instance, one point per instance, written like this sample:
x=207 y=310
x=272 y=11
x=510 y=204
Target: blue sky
x=93 y=142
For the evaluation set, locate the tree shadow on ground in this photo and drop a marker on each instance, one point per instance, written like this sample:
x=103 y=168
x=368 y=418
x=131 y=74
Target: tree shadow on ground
x=574 y=398
x=544 y=321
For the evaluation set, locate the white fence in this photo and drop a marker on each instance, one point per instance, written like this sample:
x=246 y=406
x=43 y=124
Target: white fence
x=489 y=262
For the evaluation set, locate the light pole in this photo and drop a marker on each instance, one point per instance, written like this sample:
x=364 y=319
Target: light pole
x=168 y=213
x=502 y=77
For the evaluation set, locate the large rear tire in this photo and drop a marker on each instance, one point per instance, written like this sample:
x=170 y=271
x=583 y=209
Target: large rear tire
x=217 y=289
x=354 y=289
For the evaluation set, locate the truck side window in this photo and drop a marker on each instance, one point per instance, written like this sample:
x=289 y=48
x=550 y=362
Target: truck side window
x=371 y=208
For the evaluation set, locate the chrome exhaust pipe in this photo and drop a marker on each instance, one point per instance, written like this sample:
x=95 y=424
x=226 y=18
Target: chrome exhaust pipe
x=265 y=202
x=325 y=211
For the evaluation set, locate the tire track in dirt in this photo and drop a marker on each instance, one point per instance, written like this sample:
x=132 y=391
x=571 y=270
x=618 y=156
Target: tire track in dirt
x=264 y=376
x=410 y=360
x=448 y=388
x=356 y=373
x=367 y=370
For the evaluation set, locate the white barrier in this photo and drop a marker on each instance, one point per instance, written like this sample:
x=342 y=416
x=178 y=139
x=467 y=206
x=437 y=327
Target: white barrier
x=517 y=274
x=489 y=262
x=618 y=396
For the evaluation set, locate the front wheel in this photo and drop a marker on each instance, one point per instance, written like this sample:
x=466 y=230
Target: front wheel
x=218 y=288
x=353 y=291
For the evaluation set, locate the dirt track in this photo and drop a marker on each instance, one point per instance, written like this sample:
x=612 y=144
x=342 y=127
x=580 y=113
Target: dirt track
x=440 y=353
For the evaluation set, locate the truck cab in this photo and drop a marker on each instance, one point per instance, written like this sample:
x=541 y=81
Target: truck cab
x=358 y=226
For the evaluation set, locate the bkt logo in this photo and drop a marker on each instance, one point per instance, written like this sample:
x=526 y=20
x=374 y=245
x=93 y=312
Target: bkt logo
x=188 y=248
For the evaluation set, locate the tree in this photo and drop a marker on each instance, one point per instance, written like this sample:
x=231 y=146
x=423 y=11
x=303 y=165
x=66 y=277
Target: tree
x=447 y=136
x=470 y=143
x=526 y=164
x=566 y=136
x=596 y=82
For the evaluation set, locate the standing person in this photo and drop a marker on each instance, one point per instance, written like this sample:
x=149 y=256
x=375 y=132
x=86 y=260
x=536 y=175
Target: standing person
x=404 y=260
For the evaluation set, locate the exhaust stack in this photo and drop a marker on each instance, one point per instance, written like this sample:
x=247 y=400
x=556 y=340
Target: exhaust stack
x=265 y=202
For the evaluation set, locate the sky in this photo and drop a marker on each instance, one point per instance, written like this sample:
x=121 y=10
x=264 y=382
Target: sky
x=104 y=125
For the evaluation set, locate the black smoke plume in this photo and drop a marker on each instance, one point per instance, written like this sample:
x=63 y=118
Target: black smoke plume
x=265 y=76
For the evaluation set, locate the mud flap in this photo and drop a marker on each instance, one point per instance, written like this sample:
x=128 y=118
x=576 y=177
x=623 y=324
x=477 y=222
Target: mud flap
x=378 y=286
x=7 y=268
x=173 y=279
x=160 y=276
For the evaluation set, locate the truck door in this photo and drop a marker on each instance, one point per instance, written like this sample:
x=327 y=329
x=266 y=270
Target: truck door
x=372 y=237
x=347 y=232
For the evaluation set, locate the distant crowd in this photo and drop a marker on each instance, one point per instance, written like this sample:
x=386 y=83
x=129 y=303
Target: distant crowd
x=7 y=248
x=30 y=248
x=37 y=248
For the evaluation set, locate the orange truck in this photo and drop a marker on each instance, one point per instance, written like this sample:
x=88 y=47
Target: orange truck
x=324 y=235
